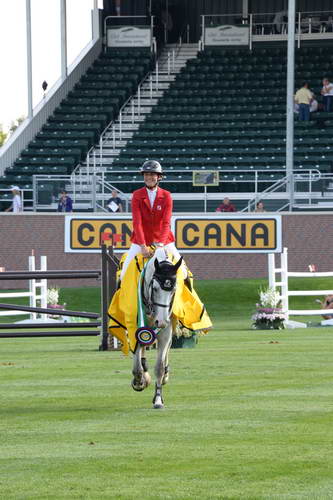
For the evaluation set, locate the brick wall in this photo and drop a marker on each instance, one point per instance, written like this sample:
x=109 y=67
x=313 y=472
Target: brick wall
x=309 y=238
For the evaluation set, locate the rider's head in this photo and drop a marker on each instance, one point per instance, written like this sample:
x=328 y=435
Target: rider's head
x=152 y=173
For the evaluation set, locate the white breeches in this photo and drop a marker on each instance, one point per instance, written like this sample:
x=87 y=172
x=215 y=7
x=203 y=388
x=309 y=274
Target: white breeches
x=136 y=249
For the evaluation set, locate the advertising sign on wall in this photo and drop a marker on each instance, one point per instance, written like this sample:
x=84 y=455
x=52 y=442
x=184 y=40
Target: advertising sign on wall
x=202 y=234
x=228 y=234
x=128 y=36
x=227 y=35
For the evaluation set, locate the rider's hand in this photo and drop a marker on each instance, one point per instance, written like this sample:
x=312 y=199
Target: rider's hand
x=146 y=252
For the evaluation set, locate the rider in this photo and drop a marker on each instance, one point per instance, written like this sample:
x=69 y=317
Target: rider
x=151 y=214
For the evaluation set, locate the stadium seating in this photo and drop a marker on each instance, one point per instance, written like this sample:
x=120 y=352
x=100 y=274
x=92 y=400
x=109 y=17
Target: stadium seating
x=77 y=123
x=226 y=111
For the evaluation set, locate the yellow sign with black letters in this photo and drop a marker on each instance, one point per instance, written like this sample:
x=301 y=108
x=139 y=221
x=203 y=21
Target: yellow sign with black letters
x=196 y=234
x=228 y=234
x=84 y=234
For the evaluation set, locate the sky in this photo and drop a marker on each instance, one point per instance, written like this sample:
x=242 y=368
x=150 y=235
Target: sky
x=46 y=58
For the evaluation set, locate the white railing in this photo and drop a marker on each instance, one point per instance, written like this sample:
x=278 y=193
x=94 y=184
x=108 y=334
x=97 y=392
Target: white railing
x=283 y=284
x=30 y=127
x=311 y=177
x=92 y=189
x=27 y=203
x=36 y=298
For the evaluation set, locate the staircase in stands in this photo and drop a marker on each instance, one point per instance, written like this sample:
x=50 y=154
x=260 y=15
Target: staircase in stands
x=171 y=60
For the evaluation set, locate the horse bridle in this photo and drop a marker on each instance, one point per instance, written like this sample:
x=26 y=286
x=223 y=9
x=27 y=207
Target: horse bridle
x=167 y=283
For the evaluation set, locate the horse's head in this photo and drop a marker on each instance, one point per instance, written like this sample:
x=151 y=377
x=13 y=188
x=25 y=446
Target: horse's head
x=162 y=289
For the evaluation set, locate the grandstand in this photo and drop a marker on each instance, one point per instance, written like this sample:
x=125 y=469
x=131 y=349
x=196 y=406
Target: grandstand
x=193 y=106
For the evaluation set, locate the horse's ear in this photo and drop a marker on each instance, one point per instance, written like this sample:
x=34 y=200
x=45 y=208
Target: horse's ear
x=156 y=264
x=177 y=266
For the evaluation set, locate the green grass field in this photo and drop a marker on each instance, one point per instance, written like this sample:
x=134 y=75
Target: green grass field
x=248 y=413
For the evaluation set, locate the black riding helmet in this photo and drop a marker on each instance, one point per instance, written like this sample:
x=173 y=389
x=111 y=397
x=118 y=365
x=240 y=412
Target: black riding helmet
x=151 y=166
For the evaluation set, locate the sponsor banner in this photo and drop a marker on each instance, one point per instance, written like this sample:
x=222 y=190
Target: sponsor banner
x=227 y=35
x=228 y=234
x=201 y=234
x=83 y=234
x=128 y=36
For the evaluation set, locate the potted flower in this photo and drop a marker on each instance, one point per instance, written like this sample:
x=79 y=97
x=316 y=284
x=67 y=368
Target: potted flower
x=52 y=298
x=269 y=314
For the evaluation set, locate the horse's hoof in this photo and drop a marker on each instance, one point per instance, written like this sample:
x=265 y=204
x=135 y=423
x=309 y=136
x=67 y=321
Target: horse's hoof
x=147 y=378
x=158 y=406
x=138 y=387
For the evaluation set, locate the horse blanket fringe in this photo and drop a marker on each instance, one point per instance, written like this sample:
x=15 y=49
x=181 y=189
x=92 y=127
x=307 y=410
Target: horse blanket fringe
x=123 y=310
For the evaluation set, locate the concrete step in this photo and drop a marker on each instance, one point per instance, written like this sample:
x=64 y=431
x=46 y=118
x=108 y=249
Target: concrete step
x=146 y=102
x=145 y=94
x=143 y=111
x=161 y=86
x=128 y=119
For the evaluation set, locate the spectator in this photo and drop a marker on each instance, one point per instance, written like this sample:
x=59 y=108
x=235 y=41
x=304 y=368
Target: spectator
x=65 y=203
x=303 y=98
x=327 y=93
x=114 y=204
x=226 y=206
x=280 y=21
x=260 y=207
x=313 y=105
x=16 y=205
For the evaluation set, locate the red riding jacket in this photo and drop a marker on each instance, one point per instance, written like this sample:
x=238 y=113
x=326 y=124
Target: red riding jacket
x=151 y=225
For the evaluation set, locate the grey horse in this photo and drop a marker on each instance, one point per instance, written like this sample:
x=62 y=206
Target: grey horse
x=157 y=287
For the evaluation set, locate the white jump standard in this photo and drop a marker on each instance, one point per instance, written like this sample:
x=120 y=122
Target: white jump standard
x=285 y=293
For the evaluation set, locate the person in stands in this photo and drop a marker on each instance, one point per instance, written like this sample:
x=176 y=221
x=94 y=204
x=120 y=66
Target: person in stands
x=114 y=204
x=16 y=205
x=327 y=93
x=151 y=215
x=304 y=98
x=65 y=203
x=260 y=207
x=226 y=206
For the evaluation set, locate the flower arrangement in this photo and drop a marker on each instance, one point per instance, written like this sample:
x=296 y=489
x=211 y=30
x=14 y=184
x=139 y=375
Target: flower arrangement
x=269 y=314
x=182 y=331
x=52 y=296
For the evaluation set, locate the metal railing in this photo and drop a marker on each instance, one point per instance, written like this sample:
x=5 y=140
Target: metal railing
x=274 y=25
x=27 y=202
x=311 y=178
x=91 y=191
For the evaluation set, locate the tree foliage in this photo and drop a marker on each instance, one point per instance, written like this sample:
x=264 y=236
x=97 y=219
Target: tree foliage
x=16 y=123
x=3 y=136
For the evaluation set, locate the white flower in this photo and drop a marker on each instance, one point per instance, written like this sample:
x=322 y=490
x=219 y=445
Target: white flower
x=269 y=297
x=53 y=296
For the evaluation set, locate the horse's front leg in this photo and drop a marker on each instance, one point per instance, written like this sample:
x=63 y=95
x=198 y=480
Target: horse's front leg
x=164 y=343
x=141 y=377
